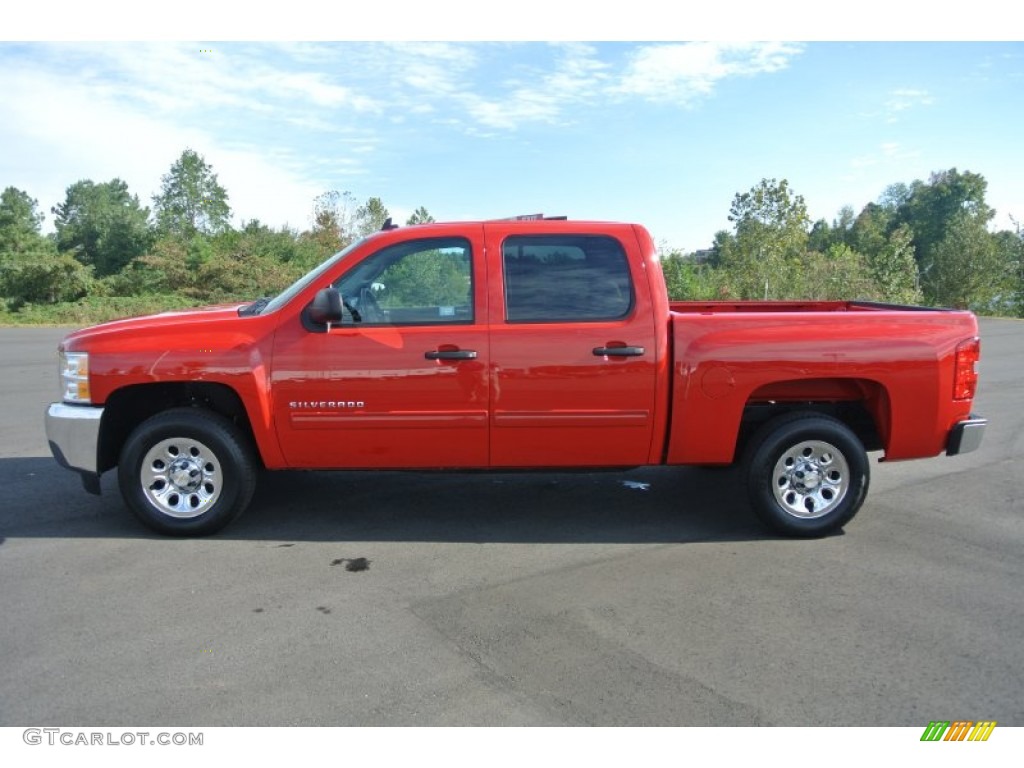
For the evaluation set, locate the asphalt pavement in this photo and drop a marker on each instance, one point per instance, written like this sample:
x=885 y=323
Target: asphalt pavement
x=649 y=597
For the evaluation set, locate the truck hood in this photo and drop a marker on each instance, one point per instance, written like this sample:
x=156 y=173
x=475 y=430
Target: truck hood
x=196 y=319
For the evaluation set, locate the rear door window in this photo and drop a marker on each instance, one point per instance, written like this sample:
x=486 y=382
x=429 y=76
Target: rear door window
x=565 y=278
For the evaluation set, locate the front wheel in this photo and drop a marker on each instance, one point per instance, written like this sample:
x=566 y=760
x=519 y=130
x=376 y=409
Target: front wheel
x=187 y=472
x=806 y=474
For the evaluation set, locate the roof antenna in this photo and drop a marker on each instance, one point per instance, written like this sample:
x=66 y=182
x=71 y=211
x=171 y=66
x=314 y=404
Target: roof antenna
x=388 y=225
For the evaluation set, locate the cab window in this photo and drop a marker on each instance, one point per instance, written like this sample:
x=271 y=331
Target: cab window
x=574 y=278
x=422 y=282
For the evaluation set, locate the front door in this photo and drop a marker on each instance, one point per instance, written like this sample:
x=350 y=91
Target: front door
x=402 y=381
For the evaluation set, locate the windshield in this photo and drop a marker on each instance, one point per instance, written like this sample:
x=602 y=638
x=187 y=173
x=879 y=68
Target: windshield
x=307 y=279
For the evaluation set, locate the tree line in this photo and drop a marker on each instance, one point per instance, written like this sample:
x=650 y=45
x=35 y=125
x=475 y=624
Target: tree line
x=109 y=255
x=927 y=242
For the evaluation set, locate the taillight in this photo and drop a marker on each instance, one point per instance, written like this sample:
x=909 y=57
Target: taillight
x=965 y=377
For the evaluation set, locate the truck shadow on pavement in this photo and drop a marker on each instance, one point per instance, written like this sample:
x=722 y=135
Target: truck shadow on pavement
x=646 y=505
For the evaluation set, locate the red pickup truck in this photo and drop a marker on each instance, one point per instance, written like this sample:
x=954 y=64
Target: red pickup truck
x=510 y=345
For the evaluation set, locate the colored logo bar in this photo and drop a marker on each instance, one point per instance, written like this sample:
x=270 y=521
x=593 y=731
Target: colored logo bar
x=958 y=730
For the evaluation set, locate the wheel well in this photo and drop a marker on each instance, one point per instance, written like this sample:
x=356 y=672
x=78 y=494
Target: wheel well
x=853 y=413
x=128 y=407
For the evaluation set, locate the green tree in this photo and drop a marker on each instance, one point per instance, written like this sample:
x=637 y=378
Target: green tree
x=370 y=217
x=844 y=221
x=31 y=271
x=425 y=279
x=894 y=269
x=932 y=209
x=967 y=270
x=1010 y=247
x=167 y=268
x=244 y=266
x=191 y=200
x=102 y=225
x=19 y=222
x=1018 y=274
x=771 y=209
x=894 y=196
x=771 y=238
x=839 y=274
x=284 y=245
x=689 y=280
x=44 y=277
x=721 y=247
x=870 y=230
x=420 y=216
x=333 y=222
x=234 y=265
x=823 y=236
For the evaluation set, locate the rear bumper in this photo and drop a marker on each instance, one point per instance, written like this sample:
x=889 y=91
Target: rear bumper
x=966 y=436
x=73 y=432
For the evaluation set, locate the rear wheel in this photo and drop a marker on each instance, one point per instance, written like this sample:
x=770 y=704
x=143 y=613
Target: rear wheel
x=187 y=472
x=806 y=474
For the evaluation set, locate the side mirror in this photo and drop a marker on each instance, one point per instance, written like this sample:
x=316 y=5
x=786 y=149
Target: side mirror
x=326 y=307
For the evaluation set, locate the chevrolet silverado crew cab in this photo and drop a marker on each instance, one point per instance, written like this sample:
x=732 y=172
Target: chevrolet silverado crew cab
x=510 y=344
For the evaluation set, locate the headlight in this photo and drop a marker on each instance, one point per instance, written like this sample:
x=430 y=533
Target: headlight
x=74 y=377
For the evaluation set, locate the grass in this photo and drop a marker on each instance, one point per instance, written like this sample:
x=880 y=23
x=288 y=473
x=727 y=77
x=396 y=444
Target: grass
x=92 y=310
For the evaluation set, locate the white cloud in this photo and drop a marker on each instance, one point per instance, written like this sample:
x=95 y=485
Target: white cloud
x=520 y=106
x=165 y=76
x=685 y=72
x=540 y=96
x=863 y=161
x=277 y=131
x=74 y=133
x=315 y=88
x=903 y=99
x=272 y=192
x=281 y=123
x=579 y=71
x=177 y=78
x=430 y=70
x=888 y=153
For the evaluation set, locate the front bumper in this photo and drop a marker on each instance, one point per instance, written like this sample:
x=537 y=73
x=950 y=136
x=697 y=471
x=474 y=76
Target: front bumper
x=966 y=436
x=73 y=432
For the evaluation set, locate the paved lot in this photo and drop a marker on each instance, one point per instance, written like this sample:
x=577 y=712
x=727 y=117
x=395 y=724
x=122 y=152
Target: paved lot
x=515 y=599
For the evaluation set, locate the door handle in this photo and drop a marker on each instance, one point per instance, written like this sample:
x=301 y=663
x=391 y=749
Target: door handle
x=618 y=351
x=450 y=354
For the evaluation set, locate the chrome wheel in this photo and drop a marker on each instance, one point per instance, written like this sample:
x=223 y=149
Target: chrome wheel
x=810 y=479
x=181 y=477
x=187 y=471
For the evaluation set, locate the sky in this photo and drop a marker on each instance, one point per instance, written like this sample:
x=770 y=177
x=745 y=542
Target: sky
x=658 y=132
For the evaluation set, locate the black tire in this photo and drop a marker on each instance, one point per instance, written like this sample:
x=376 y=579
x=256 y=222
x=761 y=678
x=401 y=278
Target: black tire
x=187 y=472
x=806 y=474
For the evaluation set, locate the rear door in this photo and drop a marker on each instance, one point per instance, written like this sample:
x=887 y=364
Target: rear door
x=572 y=348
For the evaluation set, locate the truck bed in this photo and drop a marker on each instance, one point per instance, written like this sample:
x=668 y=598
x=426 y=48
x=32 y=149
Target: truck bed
x=895 y=362
x=717 y=307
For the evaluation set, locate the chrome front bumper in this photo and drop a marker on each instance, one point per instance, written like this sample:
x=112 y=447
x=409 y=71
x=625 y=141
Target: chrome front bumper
x=73 y=432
